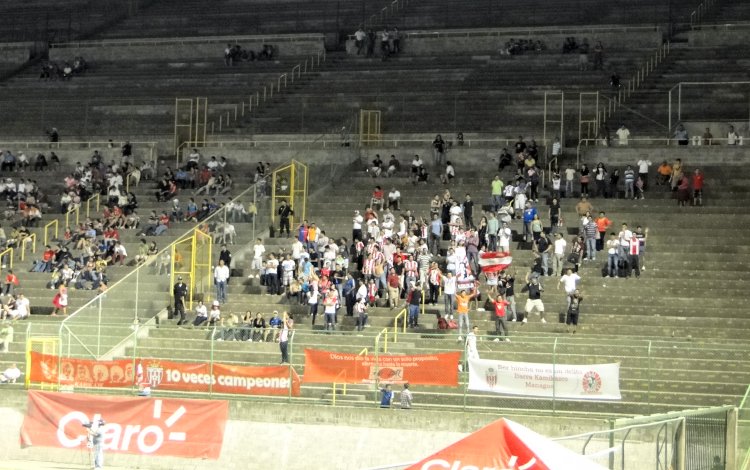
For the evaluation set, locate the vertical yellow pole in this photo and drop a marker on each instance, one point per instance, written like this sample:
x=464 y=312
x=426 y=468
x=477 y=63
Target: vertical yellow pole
x=292 y=191
x=193 y=280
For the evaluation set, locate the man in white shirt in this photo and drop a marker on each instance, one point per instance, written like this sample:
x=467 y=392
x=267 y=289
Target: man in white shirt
x=643 y=165
x=394 y=199
x=558 y=254
x=570 y=176
x=194 y=159
x=212 y=164
x=357 y=221
x=221 y=276
x=732 y=136
x=504 y=235
x=449 y=294
x=622 y=135
x=10 y=375
x=570 y=282
x=23 y=308
x=287 y=269
x=624 y=238
x=359 y=40
x=258 y=251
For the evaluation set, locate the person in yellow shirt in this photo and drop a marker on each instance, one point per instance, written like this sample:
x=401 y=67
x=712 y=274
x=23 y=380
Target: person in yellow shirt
x=462 y=309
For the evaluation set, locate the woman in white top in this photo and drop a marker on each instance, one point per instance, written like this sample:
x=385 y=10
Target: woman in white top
x=201 y=314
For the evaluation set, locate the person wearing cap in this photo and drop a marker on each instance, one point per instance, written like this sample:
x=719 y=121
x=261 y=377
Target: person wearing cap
x=179 y=292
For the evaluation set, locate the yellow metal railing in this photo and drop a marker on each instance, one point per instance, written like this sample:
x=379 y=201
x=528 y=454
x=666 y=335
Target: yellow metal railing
x=402 y=315
x=24 y=243
x=76 y=210
x=52 y=223
x=7 y=254
x=88 y=204
x=334 y=386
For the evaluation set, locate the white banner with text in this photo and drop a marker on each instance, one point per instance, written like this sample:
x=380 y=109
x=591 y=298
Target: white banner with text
x=578 y=382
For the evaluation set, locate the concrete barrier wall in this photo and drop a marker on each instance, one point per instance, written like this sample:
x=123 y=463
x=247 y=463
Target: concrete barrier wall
x=266 y=435
x=691 y=156
x=475 y=44
x=710 y=36
x=171 y=51
x=15 y=52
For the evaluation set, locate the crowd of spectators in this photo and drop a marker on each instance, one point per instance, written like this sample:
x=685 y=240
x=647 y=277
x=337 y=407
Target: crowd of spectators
x=235 y=54
x=51 y=71
x=388 y=42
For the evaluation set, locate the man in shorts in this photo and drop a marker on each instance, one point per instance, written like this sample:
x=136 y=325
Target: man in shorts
x=534 y=302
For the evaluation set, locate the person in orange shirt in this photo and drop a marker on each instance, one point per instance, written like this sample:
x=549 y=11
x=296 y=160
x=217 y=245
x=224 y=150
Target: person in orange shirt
x=602 y=224
x=664 y=172
x=462 y=309
x=11 y=282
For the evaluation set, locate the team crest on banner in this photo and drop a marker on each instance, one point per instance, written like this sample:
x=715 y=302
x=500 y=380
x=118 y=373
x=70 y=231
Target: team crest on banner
x=155 y=374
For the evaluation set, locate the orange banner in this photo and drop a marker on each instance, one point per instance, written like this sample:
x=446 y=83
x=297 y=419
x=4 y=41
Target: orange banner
x=165 y=427
x=421 y=369
x=165 y=375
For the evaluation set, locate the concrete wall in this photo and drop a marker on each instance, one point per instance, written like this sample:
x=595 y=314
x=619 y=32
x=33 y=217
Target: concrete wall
x=265 y=435
x=716 y=36
x=180 y=49
x=451 y=43
x=691 y=156
x=15 y=52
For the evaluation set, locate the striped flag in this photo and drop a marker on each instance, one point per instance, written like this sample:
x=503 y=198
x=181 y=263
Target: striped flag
x=494 y=261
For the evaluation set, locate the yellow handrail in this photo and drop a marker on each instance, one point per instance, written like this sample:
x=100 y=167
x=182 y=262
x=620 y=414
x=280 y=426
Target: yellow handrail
x=402 y=314
x=363 y=352
x=56 y=223
x=88 y=205
x=24 y=241
x=7 y=251
x=77 y=210
x=384 y=334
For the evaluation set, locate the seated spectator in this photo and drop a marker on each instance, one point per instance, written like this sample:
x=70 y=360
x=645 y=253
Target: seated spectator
x=259 y=328
x=422 y=175
x=393 y=166
x=10 y=375
x=119 y=253
x=394 y=199
x=10 y=283
x=377 y=198
x=17 y=307
x=274 y=325
x=228 y=330
x=377 y=167
x=67 y=71
x=22 y=162
x=449 y=174
x=416 y=164
x=201 y=314
x=79 y=65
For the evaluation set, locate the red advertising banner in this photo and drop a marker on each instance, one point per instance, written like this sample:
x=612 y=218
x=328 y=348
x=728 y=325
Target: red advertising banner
x=165 y=427
x=421 y=369
x=165 y=375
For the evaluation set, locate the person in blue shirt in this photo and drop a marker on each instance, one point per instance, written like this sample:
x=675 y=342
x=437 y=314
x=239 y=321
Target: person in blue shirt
x=386 y=396
x=275 y=325
x=529 y=213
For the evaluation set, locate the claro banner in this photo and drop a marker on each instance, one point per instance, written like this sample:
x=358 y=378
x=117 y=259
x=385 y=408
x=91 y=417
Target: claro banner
x=579 y=382
x=422 y=369
x=165 y=375
x=165 y=427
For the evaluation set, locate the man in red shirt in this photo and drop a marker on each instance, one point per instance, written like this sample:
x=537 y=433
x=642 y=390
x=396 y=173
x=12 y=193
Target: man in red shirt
x=394 y=284
x=697 y=187
x=500 y=304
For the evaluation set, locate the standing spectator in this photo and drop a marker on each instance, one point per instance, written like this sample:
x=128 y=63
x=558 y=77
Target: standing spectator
x=555 y=214
x=60 y=301
x=449 y=294
x=436 y=234
x=501 y=327
x=406 y=398
x=642 y=236
x=544 y=249
x=613 y=247
x=683 y=190
x=359 y=40
x=506 y=285
x=697 y=184
x=634 y=261
x=598 y=56
x=558 y=255
x=386 y=396
x=179 y=292
x=370 y=42
x=584 y=178
x=570 y=175
x=574 y=308
x=600 y=178
x=569 y=282
x=590 y=231
x=414 y=300
x=6 y=335
x=221 y=277
x=284 y=211
x=602 y=224
x=438 y=150
x=681 y=135
x=361 y=310
x=462 y=309
x=556 y=149
x=534 y=302
x=497 y=193
x=330 y=304
x=732 y=136
x=287 y=331
x=622 y=135
x=395 y=41
x=707 y=138
x=629 y=178
x=468 y=210
x=663 y=173
x=504 y=236
x=643 y=164
x=529 y=214
x=471 y=345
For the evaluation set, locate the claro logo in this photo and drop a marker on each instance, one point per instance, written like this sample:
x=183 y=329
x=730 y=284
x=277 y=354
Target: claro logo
x=122 y=436
x=440 y=464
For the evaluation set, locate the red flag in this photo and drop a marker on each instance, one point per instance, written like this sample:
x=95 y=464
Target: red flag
x=493 y=261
